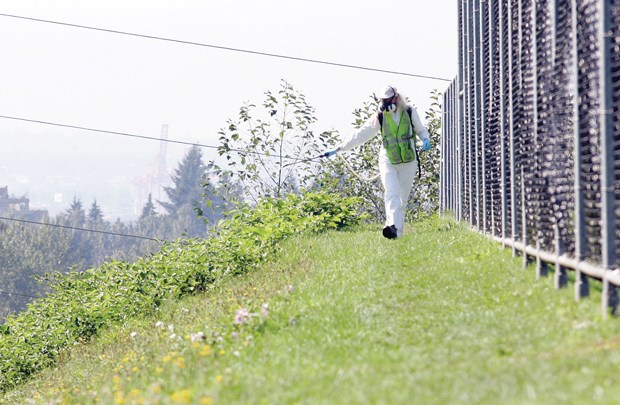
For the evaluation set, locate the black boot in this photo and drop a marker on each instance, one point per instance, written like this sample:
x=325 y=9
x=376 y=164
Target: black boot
x=390 y=232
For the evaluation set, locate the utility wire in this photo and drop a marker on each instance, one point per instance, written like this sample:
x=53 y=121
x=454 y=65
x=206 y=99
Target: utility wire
x=139 y=136
x=18 y=294
x=79 y=229
x=226 y=48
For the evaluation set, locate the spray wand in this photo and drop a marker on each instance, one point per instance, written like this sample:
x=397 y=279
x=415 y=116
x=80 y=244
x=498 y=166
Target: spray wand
x=323 y=155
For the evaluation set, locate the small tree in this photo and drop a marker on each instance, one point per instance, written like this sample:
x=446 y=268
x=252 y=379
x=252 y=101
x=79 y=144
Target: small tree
x=267 y=152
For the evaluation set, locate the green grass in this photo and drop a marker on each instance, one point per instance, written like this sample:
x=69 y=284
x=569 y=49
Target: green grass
x=442 y=315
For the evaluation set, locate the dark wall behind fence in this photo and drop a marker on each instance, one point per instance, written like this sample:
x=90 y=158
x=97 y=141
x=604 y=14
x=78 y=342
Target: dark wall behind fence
x=531 y=134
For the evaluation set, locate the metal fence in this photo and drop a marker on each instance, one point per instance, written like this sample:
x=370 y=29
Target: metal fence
x=531 y=135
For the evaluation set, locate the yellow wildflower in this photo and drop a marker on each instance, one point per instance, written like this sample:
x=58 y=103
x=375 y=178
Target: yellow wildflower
x=182 y=397
x=206 y=350
x=134 y=397
x=179 y=362
x=119 y=399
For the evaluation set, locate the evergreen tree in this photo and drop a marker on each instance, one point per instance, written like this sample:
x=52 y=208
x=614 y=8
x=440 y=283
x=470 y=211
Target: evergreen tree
x=96 y=242
x=187 y=182
x=95 y=215
x=148 y=210
x=186 y=205
x=76 y=216
x=150 y=224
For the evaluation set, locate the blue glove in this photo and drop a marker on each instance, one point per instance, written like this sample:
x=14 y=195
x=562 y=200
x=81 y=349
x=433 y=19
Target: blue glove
x=331 y=152
x=426 y=145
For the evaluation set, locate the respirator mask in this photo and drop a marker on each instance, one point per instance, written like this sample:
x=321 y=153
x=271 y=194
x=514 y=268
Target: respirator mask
x=388 y=104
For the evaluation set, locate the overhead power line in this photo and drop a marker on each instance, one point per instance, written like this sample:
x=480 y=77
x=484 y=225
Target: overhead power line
x=79 y=229
x=226 y=48
x=56 y=124
x=18 y=294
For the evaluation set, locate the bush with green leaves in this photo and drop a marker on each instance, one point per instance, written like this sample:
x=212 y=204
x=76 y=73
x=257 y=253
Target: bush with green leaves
x=84 y=303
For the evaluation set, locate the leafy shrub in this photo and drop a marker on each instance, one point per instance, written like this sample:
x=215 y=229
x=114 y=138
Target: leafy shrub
x=84 y=303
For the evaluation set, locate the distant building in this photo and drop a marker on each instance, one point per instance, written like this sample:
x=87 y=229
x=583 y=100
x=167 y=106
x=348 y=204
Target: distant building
x=18 y=207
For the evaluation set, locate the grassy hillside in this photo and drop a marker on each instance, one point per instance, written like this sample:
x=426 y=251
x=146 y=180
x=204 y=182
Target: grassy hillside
x=442 y=315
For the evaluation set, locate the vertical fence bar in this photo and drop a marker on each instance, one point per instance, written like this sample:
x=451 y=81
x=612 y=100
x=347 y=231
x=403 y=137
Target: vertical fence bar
x=461 y=113
x=464 y=110
x=580 y=220
x=455 y=153
x=534 y=50
x=442 y=154
x=541 y=268
x=468 y=136
x=608 y=241
x=477 y=97
x=502 y=101
x=492 y=104
x=513 y=193
x=458 y=104
x=459 y=143
x=453 y=92
x=482 y=123
x=448 y=156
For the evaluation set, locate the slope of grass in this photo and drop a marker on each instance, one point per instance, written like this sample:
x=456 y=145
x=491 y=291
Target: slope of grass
x=441 y=315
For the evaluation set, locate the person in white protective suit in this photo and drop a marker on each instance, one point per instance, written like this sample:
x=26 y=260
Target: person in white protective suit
x=398 y=124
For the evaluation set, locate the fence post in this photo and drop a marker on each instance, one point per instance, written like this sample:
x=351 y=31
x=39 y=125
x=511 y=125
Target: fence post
x=502 y=120
x=533 y=160
x=513 y=200
x=461 y=118
x=482 y=120
x=610 y=295
x=456 y=173
x=442 y=155
x=581 y=282
x=469 y=118
x=492 y=105
x=459 y=145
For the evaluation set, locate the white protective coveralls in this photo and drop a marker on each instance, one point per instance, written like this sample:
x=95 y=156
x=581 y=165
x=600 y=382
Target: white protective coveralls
x=397 y=179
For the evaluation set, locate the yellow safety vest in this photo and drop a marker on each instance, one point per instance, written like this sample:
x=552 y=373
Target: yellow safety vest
x=398 y=139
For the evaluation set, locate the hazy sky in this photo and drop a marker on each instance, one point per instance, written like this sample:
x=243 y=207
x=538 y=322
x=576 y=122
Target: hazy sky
x=135 y=85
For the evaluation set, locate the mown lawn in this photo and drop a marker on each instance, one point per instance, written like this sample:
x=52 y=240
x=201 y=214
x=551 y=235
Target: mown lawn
x=442 y=316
